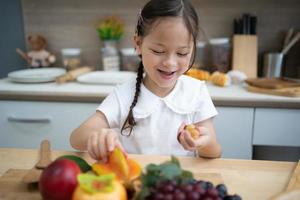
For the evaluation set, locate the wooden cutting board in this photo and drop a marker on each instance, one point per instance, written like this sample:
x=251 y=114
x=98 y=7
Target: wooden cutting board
x=288 y=92
x=12 y=187
x=292 y=191
x=272 y=83
x=294 y=182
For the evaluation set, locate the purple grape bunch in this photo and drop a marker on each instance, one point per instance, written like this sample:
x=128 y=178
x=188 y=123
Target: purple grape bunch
x=193 y=190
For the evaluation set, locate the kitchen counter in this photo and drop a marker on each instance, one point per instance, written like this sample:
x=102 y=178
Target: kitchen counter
x=249 y=178
x=235 y=95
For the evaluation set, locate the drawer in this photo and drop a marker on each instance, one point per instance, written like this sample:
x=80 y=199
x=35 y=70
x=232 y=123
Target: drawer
x=25 y=123
x=234 y=131
x=277 y=127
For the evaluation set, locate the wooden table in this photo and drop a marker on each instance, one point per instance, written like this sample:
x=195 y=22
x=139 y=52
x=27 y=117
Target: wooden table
x=250 y=179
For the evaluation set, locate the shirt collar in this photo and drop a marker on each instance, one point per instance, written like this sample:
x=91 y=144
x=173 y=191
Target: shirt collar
x=183 y=99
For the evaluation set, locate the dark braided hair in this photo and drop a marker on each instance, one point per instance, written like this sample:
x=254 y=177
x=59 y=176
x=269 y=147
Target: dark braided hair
x=152 y=11
x=130 y=121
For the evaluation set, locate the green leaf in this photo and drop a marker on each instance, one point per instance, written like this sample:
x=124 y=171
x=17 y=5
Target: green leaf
x=175 y=160
x=186 y=176
x=170 y=170
x=152 y=168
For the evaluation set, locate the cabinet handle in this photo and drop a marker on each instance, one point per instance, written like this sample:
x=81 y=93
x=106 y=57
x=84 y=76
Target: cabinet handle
x=29 y=119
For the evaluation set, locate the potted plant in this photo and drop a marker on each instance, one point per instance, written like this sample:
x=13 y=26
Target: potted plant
x=110 y=31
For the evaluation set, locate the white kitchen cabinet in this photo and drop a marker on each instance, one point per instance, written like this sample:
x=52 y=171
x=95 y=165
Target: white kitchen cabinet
x=25 y=123
x=277 y=127
x=234 y=127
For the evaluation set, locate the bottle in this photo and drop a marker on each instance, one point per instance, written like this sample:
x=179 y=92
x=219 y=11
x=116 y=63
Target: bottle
x=110 y=56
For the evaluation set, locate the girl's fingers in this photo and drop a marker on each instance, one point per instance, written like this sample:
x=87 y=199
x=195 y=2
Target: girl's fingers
x=102 y=147
x=181 y=127
x=188 y=139
x=202 y=141
x=111 y=141
x=95 y=148
x=202 y=130
x=90 y=149
x=184 y=143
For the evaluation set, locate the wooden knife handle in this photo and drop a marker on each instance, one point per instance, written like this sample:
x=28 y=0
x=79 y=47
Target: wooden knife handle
x=45 y=155
x=294 y=182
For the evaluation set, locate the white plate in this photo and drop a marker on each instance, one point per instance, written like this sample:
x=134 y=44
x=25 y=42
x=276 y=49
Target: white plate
x=106 y=77
x=39 y=75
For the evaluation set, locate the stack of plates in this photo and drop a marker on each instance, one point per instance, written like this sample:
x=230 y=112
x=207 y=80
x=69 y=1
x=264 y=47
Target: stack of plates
x=39 y=75
x=106 y=77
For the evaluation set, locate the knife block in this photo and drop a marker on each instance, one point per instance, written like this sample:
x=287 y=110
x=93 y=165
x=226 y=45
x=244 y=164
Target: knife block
x=244 y=56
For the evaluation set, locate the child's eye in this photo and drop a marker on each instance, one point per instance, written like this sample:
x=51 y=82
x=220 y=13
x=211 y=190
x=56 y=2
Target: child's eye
x=157 y=52
x=182 y=54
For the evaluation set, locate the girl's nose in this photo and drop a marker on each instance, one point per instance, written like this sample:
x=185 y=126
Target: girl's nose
x=169 y=61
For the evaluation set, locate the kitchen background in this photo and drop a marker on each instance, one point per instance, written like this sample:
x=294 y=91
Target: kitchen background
x=71 y=24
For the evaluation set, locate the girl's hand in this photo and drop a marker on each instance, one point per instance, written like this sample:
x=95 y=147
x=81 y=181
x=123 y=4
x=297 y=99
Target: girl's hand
x=196 y=142
x=101 y=143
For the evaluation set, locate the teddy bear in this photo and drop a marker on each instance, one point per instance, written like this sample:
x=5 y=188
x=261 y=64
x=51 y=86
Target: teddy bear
x=38 y=56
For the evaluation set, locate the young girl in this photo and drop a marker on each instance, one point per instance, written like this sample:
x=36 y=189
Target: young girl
x=148 y=115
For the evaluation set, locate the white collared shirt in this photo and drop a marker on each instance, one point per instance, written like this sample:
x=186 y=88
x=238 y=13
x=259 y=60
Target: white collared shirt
x=158 y=119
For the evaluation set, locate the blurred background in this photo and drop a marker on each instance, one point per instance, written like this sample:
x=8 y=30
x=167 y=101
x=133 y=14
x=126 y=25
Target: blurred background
x=71 y=24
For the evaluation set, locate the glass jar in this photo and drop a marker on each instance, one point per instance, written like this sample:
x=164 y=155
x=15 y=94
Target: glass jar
x=110 y=56
x=129 y=59
x=220 y=54
x=71 y=58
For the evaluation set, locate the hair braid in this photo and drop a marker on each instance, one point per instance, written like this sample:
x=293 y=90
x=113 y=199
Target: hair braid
x=130 y=121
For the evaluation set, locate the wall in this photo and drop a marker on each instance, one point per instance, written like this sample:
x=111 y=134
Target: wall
x=70 y=23
x=11 y=36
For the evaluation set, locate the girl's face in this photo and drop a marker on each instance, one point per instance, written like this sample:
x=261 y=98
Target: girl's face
x=166 y=53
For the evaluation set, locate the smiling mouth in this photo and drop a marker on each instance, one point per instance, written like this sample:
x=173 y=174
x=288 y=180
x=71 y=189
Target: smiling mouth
x=166 y=73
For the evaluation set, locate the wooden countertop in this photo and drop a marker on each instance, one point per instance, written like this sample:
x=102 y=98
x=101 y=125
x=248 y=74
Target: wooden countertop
x=235 y=95
x=249 y=178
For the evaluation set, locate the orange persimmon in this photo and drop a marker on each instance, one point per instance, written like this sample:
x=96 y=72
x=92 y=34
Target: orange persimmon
x=125 y=169
x=104 y=187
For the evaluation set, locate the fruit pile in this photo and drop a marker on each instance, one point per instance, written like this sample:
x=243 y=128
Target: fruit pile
x=71 y=178
x=168 y=181
x=194 y=190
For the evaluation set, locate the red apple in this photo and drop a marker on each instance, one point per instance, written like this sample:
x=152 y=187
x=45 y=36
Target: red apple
x=59 y=180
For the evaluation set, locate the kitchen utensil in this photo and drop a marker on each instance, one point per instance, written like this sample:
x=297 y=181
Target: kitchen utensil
x=288 y=37
x=39 y=75
x=245 y=25
x=291 y=43
x=292 y=191
x=287 y=92
x=272 y=83
x=272 y=64
x=106 y=77
x=33 y=174
x=294 y=182
x=73 y=74
x=244 y=56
